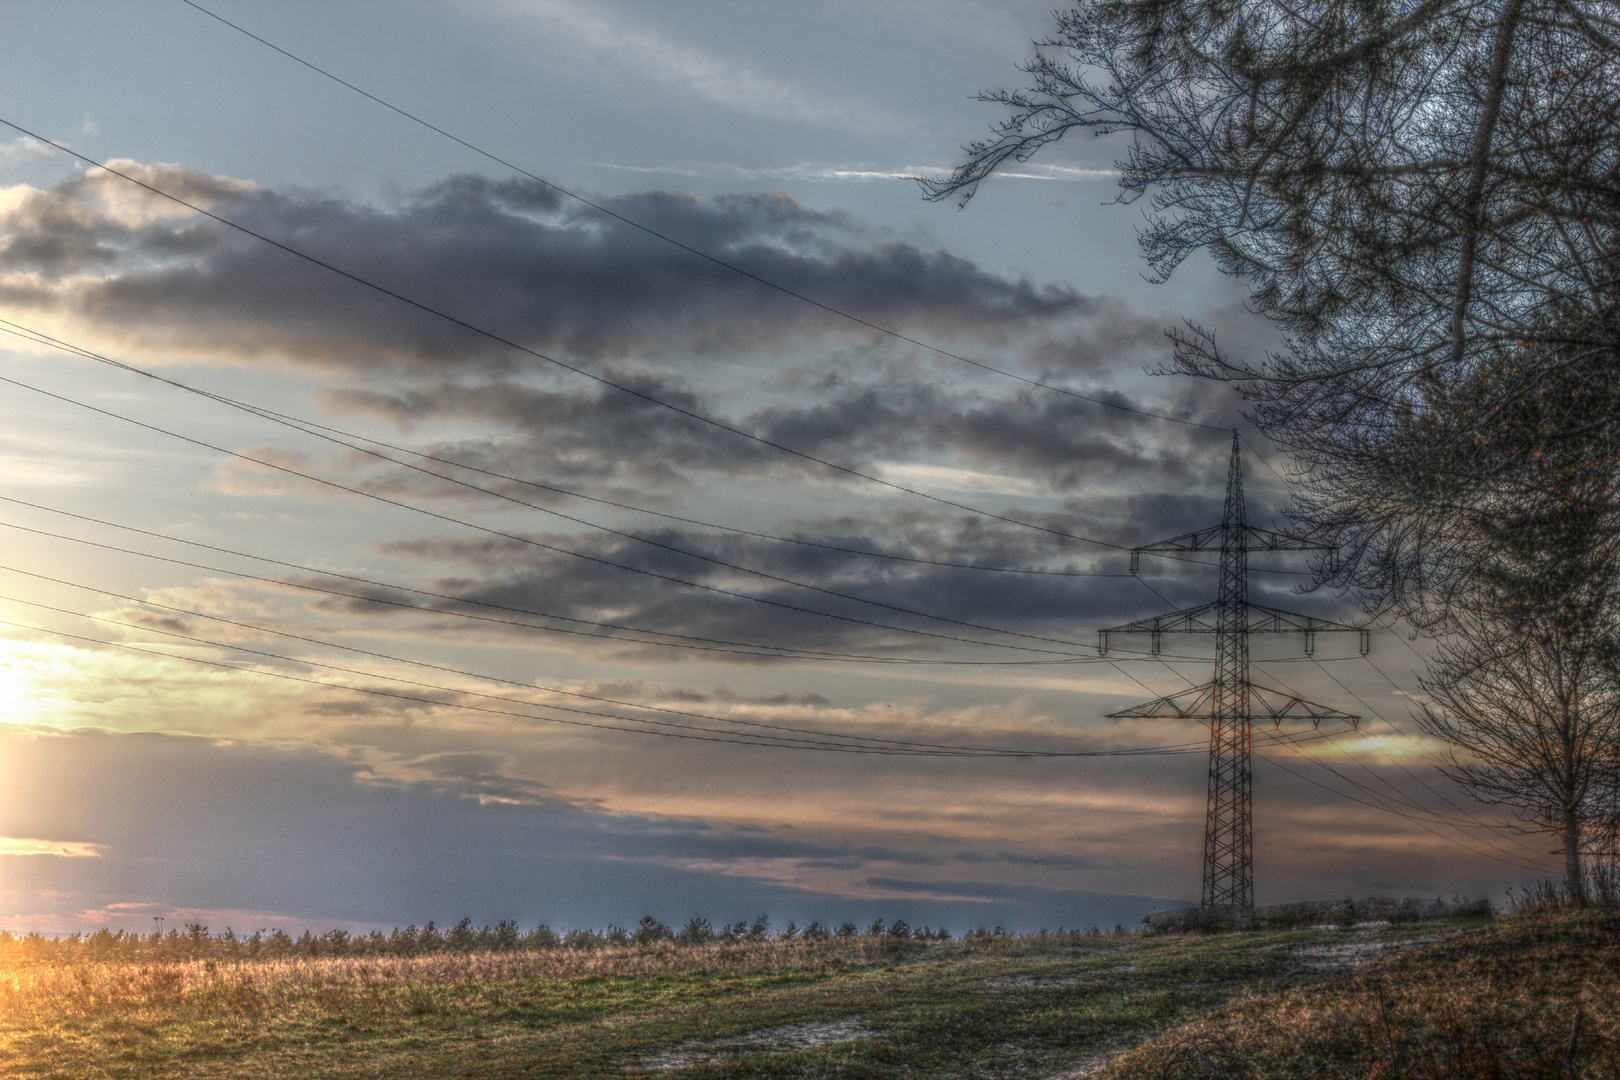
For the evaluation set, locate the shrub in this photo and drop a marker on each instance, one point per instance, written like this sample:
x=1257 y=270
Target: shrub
x=583 y=939
x=697 y=931
x=650 y=932
x=542 y=937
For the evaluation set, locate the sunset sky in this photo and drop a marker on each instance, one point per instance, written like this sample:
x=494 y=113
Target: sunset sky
x=478 y=572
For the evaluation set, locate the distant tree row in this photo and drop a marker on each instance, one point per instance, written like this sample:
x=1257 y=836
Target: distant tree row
x=195 y=942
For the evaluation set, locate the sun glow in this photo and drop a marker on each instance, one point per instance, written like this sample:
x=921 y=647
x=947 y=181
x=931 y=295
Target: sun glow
x=28 y=671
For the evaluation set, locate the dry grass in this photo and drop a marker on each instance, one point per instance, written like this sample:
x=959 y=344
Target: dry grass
x=39 y=993
x=1533 y=996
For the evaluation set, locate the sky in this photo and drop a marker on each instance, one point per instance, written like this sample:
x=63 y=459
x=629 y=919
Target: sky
x=664 y=526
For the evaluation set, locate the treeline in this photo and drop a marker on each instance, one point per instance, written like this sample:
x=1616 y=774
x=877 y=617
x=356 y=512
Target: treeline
x=195 y=942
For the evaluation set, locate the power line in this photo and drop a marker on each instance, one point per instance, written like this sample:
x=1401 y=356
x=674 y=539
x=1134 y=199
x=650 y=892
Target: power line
x=530 y=541
x=705 y=643
x=492 y=336
x=654 y=727
x=712 y=258
x=313 y=427
x=526 y=350
x=685 y=641
x=673 y=548
x=698 y=252
x=1383 y=806
x=1416 y=742
x=321 y=643
x=1401 y=796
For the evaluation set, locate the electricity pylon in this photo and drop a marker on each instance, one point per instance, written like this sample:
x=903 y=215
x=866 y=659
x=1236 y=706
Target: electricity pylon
x=1231 y=702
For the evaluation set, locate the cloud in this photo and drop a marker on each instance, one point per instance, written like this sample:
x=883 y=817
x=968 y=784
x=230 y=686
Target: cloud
x=96 y=256
x=66 y=849
x=25 y=149
x=949 y=437
x=851 y=172
x=649 y=56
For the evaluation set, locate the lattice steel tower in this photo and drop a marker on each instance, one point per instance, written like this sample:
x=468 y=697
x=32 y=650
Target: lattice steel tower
x=1231 y=701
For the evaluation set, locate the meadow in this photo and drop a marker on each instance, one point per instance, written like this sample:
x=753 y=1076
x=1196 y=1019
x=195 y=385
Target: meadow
x=1424 y=999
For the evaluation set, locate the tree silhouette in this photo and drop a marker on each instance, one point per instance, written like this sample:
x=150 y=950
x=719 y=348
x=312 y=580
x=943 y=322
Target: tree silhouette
x=1409 y=189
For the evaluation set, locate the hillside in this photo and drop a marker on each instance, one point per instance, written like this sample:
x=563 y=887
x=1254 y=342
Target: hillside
x=1527 y=997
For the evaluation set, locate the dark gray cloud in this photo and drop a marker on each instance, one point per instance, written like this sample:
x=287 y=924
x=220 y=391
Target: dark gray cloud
x=747 y=589
x=507 y=256
x=581 y=438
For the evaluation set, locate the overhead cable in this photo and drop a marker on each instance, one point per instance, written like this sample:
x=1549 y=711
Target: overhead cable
x=682 y=640
x=525 y=540
x=490 y=335
x=715 y=259
x=295 y=425
x=446 y=669
x=699 y=252
x=653 y=727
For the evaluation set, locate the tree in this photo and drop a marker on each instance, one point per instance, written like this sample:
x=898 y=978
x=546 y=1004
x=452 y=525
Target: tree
x=1410 y=190
x=1533 y=719
x=1528 y=680
x=1494 y=494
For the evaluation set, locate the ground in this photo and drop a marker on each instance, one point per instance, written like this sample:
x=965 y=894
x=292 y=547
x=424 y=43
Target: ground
x=1038 y=1007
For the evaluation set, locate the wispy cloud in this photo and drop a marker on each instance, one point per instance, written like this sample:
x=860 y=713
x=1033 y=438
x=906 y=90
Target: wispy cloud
x=850 y=173
x=730 y=82
x=65 y=849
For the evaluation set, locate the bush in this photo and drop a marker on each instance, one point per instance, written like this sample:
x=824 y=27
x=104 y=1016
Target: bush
x=462 y=937
x=541 y=937
x=650 y=932
x=584 y=939
x=697 y=931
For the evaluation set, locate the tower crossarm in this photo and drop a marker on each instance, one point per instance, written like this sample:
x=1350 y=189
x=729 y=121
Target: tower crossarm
x=1270 y=620
x=1259 y=620
x=1198 y=702
x=1254 y=538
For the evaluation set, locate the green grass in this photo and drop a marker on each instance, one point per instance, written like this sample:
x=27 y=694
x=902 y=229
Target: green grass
x=1016 y=1007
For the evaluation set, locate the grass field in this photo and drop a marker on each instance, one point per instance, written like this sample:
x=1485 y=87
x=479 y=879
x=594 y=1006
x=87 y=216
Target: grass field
x=867 y=1007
